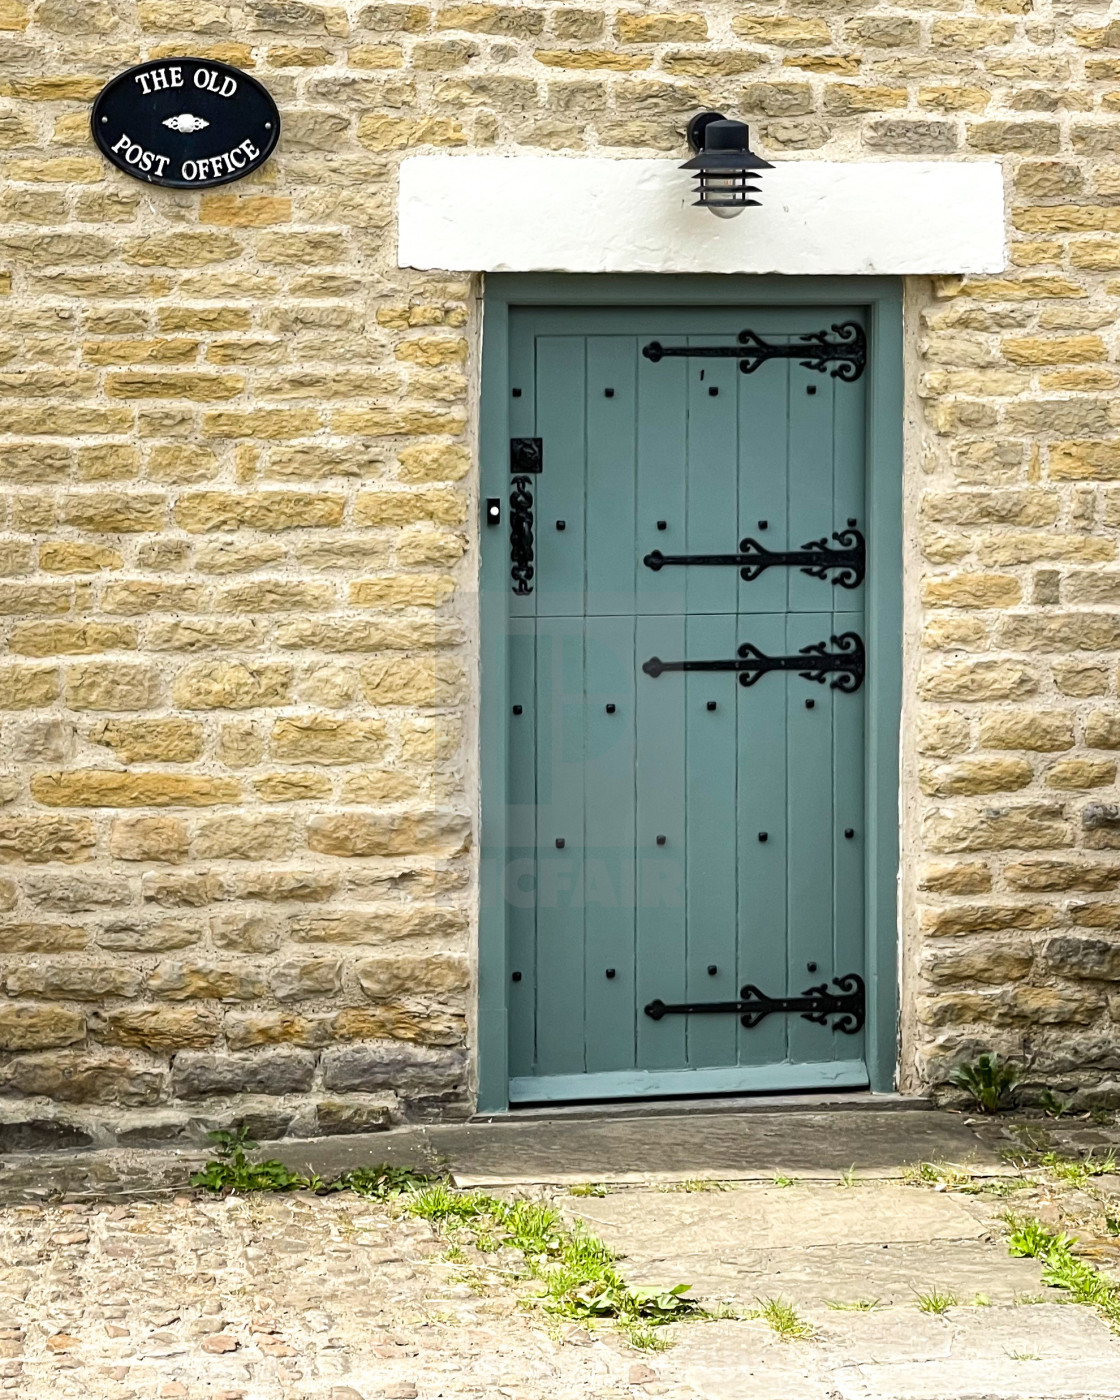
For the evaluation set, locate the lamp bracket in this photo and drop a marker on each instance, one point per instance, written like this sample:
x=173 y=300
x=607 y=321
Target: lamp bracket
x=697 y=126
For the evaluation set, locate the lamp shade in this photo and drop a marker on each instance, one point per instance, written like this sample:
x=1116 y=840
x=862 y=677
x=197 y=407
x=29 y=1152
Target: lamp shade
x=724 y=164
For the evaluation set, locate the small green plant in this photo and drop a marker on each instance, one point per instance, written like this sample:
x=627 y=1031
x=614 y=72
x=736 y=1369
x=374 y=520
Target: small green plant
x=231 y=1169
x=936 y=1302
x=990 y=1081
x=849 y=1177
x=780 y=1180
x=942 y=1175
x=1030 y=1239
x=587 y=1188
x=1024 y=1356
x=697 y=1183
x=1061 y=1268
x=859 y=1305
x=1078 y=1170
x=981 y=1300
x=1053 y=1106
x=782 y=1317
x=438 y=1203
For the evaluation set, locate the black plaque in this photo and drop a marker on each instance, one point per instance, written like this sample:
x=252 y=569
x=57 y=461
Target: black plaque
x=189 y=123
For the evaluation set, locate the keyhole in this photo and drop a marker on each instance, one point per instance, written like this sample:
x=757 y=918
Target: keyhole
x=849 y=833
x=851 y=520
x=810 y=704
x=516 y=976
x=661 y=840
x=611 y=972
x=561 y=524
x=810 y=388
x=559 y=843
x=662 y=524
x=811 y=967
x=518 y=709
x=764 y=836
x=712 y=969
x=517 y=393
x=609 y=709
x=713 y=391
x=764 y=524
x=711 y=704
x=608 y=393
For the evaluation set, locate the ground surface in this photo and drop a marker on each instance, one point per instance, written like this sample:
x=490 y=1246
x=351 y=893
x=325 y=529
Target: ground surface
x=336 y=1298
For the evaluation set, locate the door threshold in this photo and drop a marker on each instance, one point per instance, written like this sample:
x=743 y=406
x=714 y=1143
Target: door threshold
x=706 y=1105
x=637 y=1084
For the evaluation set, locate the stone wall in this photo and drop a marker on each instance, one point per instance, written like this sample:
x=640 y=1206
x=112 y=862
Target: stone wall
x=237 y=552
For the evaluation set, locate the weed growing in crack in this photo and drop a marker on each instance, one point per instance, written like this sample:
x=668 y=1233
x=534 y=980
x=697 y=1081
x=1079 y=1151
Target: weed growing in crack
x=1061 y=1268
x=990 y=1081
x=783 y=1318
x=942 y=1175
x=1053 y=1106
x=697 y=1183
x=859 y=1305
x=587 y=1188
x=230 y=1170
x=936 y=1302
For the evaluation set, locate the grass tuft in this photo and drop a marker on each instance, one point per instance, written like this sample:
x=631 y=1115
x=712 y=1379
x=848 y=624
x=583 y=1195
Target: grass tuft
x=783 y=1318
x=936 y=1302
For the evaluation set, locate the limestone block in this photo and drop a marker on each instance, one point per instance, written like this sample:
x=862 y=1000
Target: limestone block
x=298 y=979
x=73 y=1077
x=39 y=1027
x=411 y=974
x=157 y=1027
x=199 y=1075
x=407 y=1070
x=433 y=832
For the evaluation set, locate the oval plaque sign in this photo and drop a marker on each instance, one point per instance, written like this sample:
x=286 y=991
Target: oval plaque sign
x=185 y=122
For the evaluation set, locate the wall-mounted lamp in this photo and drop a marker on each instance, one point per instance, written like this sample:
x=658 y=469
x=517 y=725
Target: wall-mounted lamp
x=724 y=164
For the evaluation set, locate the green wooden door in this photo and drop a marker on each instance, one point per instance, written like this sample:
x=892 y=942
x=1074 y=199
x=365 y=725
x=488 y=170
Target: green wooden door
x=678 y=837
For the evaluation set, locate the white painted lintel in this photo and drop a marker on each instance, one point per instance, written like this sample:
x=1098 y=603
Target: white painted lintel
x=494 y=213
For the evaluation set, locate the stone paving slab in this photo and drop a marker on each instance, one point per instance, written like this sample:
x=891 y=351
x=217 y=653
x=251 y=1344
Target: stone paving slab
x=1042 y=1352
x=776 y=1218
x=810 y=1244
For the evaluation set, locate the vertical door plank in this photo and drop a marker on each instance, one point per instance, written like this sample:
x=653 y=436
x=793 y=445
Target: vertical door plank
x=519 y=881
x=561 y=687
x=561 y=488
x=712 y=775
x=609 y=825
x=811 y=496
x=848 y=738
x=662 y=871
x=522 y=423
x=811 y=824
x=713 y=479
x=762 y=758
x=763 y=452
x=611 y=467
x=662 y=477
